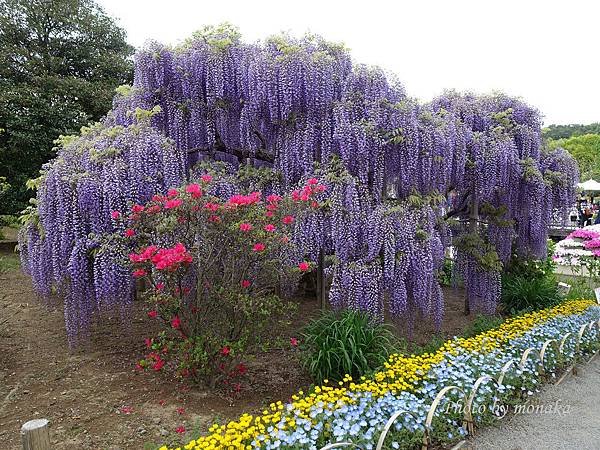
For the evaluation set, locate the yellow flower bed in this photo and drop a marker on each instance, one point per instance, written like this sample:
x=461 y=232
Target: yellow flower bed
x=400 y=373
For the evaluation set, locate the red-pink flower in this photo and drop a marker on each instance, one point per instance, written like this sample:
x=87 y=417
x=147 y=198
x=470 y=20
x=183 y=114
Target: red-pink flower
x=225 y=351
x=245 y=226
x=153 y=209
x=158 y=198
x=129 y=232
x=206 y=178
x=160 y=286
x=115 y=214
x=148 y=342
x=270 y=228
x=194 y=189
x=171 y=258
x=244 y=200
x=144 y=255
x=158 y=365
x=241 y=368
x=246 y=283
x=273 y=198
x=176 y=322
x=214 y=218
x=285 y=239
x=139 y=273
x=173 y=203
x=320 y=188
x=293 y=342
x=126 y=409
x=269 y=214
x=288 y=220
x=211 y=206
x=152 y=314
x=304 y=266
x=137 y=208
x=312 y=181
x=180 y=429
x=258 y=247
x=180 y=411
x=172 y=193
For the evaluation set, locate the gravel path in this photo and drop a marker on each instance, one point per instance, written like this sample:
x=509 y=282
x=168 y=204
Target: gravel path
x=574 y=424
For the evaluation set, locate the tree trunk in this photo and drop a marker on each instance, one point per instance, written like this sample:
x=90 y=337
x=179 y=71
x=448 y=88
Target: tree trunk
x=321 y=297
x=473 y=220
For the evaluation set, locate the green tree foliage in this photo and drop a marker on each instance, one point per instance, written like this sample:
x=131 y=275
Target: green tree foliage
x=61 y=61
x=586 y=150
x=566 y=131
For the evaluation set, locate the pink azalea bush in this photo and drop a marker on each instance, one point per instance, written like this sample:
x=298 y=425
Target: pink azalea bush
x=583 y=233
x=579 y=249
x=592 y=243
x=213 y=268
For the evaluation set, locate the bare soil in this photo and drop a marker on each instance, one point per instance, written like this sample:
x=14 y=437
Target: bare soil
x=94 y=397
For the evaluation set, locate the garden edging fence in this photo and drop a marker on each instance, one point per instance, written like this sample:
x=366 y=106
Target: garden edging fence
x=468 y=420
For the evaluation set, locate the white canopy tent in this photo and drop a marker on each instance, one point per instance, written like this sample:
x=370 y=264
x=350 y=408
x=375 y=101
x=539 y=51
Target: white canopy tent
x=589 y=186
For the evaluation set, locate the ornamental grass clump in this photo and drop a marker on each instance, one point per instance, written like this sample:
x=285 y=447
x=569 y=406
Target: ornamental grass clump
x=521 y=294
x=213 y=267
x=348 y=343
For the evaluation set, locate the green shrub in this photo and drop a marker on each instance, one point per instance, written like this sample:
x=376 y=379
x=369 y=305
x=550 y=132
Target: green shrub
x=447 y=275
x=524 y=294
x=481 y=324
x=9 y=262
x=532 y=268
x=580 y=288
x=337 y=344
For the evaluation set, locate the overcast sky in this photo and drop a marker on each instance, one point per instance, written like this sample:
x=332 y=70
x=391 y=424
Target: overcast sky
x=547 y=52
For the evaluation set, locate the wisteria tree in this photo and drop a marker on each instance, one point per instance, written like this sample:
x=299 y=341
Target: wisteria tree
x=405 y=180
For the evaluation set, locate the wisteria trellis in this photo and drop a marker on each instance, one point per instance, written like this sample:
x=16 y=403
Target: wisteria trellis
x=405 y=171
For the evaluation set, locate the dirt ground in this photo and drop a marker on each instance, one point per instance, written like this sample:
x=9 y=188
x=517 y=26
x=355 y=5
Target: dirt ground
x=95 y=399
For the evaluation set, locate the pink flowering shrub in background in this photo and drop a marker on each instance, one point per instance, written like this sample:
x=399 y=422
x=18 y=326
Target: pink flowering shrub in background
x=213 y=268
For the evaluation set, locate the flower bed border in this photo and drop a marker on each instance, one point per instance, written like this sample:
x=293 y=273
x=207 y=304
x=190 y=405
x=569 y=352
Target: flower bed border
x=469 y=421
x=401 y=375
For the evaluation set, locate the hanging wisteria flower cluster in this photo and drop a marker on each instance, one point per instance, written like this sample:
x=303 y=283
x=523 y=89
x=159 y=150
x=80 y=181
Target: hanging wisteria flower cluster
x=100 y=172
x=409 y=175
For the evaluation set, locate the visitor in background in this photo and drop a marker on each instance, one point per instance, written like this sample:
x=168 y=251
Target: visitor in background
x=587 y=213
x=573 y=215
x=597 y=216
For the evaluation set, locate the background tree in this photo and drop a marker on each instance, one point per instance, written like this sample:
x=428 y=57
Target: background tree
x=586 y=150
x=61 y=61
x=566 y=131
